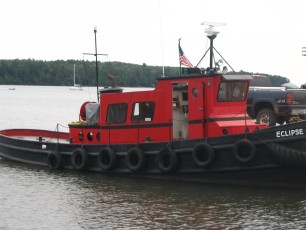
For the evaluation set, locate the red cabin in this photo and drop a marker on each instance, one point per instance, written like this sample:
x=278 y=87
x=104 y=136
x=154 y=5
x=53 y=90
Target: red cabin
x=189 y=107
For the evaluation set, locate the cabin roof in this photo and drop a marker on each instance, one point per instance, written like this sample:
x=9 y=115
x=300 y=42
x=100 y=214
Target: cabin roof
x=236 y=77
x=110 y=90
x=186 y=77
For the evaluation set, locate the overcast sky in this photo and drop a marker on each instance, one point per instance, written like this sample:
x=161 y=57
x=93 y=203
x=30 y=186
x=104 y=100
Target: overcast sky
x=264 y=36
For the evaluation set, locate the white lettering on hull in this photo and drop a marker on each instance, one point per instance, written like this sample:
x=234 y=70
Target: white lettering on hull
x=289 y=133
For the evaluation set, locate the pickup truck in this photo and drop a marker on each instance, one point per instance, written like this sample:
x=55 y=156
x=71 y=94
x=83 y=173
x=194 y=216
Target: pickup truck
x=273 y=105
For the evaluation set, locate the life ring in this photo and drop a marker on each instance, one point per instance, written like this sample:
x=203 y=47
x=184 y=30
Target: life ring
x=167 y=160
x=79 y=159
x=82 y=111
x=135 y=159
x=107 y=158
x=244 y=150
x=203 y=154
x=54 y=160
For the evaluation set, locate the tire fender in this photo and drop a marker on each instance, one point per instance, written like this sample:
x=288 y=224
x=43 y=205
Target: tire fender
x=244 y=150
x=203 y=154
x=107 y=159
x=167 y=160
x=54 y=160
x=79 y=159
x=135 y=159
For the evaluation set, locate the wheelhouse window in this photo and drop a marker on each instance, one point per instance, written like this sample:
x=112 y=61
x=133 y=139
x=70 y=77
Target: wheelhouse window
x=143 y=111
x=231 y=91
x=116 y=113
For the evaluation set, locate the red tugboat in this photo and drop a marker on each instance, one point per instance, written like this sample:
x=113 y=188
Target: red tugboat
x=192 y=127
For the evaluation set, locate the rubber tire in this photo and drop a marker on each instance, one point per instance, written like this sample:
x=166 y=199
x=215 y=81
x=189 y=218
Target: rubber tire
x=243 y=145
x=135 y=159
x=54 y=160
x=167 y=160
x=266 y=114
x=79 y=159
x=288 y=156
x=107 y=159
x=203 y=154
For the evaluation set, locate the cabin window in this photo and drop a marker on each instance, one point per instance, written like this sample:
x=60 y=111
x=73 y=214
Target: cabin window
x=116 y=113
x=143 y=111
x=185 y=96
x=231 y=91
x=195 y=92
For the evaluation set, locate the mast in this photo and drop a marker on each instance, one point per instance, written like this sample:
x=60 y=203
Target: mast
x=97 y=72
x=211 y=49
x=96 y=55
x=211 y=34
x=73 y=74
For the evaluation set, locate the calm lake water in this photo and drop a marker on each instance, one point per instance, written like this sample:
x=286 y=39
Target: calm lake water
x=38 y=198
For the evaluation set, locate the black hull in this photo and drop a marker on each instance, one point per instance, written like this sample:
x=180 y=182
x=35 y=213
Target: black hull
x=271 y=157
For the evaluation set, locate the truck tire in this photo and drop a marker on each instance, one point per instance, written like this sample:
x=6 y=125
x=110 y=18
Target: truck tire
x=266 y=116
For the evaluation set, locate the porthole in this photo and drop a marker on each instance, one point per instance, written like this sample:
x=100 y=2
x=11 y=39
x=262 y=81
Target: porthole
x=90 y=136
x=81 y=136
x=195 y=92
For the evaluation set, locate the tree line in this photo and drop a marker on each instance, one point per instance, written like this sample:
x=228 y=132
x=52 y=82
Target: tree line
x=60 y=73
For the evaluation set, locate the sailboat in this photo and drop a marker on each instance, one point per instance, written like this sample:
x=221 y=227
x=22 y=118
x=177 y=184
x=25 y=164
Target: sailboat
x=75 y=86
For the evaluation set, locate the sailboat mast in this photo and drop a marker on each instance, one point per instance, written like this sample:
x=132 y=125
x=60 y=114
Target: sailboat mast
x=73 y=74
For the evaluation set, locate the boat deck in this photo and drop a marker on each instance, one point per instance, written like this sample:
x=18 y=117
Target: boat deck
x=42 y=139
x=43 y=136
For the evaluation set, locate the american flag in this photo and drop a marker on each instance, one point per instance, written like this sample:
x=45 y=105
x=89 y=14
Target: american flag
x=183 y=59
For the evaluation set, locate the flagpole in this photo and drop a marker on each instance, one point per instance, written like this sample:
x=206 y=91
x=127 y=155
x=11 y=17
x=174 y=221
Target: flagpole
x=179 y=45
x=182 y=58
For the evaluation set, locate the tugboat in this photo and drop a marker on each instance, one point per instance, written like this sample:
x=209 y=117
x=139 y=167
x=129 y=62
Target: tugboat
x=193 y=127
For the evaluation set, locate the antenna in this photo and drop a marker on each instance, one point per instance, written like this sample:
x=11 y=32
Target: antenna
x=304 y=51
x=211 y=34
x=161 y=38
x=210 y=31
x=96 y=55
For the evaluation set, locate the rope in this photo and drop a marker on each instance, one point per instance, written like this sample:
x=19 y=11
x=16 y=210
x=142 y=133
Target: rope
x=57 y=131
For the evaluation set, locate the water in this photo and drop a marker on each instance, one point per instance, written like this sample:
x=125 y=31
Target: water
x=38 y=198
x=41 y=107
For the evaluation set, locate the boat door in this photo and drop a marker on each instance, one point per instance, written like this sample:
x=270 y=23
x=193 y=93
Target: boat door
x=180 y=110
x=196 y=109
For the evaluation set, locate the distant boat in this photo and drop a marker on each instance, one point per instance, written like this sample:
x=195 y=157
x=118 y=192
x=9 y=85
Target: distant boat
x=75 y=86
x=11 y=88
